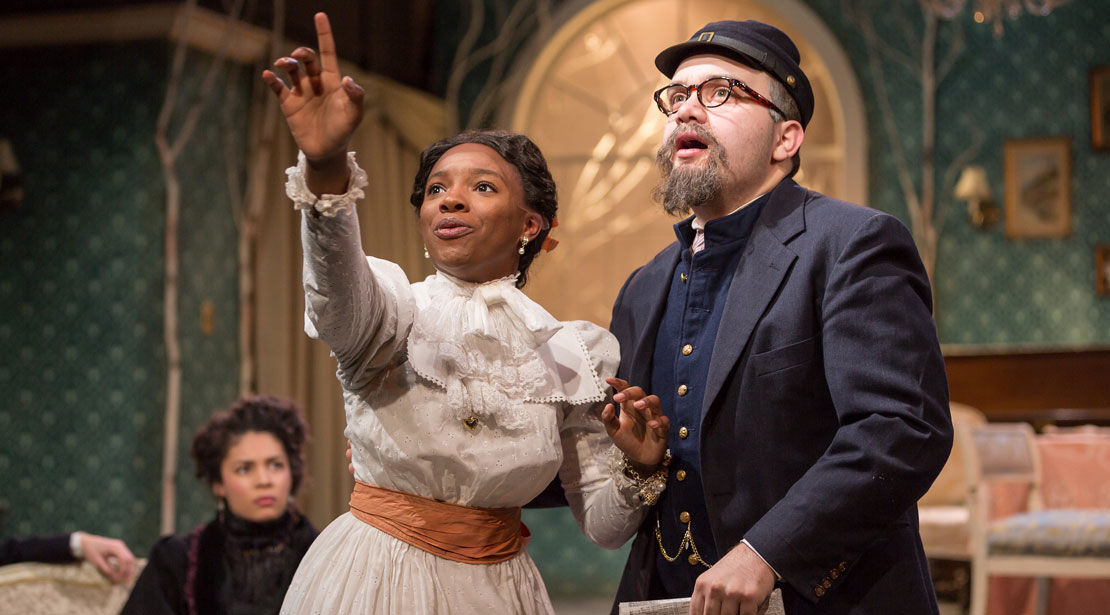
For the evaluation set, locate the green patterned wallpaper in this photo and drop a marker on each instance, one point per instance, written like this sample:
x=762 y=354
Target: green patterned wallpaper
x=82 y=370
x=1031 y=82
x=571 y=565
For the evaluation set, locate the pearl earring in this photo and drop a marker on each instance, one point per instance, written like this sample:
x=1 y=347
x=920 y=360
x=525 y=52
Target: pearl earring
x=523 y=244
x=426 y=252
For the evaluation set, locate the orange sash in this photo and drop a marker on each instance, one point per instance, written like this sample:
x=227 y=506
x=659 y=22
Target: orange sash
x=451 y=531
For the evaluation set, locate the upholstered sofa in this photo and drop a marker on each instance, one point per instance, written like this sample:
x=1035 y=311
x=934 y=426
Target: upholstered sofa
x=60 y=589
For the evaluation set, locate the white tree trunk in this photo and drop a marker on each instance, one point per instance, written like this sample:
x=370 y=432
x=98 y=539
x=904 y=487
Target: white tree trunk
x=926 y=209
x=173 y=348
x=169 y=148
x=260 y=157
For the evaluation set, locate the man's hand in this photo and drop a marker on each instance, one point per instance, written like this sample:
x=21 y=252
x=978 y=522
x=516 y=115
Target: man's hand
x=641 y=430
x=740 y=583
x=350 y=460
x=110 y=556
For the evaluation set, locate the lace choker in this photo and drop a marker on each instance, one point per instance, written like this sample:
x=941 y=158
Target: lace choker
x=491 y=347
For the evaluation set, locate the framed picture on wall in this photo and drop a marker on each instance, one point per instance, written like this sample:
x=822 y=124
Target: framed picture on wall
x=1102 y=270
x=1038 y=187
x=1100 y=108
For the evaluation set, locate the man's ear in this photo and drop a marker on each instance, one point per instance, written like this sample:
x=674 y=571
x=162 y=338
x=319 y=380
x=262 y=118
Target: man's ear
x=790 y=136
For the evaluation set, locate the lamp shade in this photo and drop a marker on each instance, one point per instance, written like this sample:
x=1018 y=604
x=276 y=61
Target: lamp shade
x=973 y=184
x=8 y=164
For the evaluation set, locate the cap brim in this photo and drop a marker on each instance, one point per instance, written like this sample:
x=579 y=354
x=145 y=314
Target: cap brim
x=668 y=60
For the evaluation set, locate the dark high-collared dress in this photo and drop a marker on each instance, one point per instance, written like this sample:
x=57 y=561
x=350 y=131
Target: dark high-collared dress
x=228 y=566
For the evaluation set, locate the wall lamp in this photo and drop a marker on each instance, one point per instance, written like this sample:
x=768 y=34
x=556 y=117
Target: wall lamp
x=11 y=178
x=974 y=188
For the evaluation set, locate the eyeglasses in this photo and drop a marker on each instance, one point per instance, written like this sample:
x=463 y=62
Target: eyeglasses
x=712 y=92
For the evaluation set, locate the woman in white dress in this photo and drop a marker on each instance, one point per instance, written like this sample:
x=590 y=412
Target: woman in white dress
x=463 y=398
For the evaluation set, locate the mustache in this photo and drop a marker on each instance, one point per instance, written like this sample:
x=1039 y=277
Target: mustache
x=679 y=192
x=665 y=156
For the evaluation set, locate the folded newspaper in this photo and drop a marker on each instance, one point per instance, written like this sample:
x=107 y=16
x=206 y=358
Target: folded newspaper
x=681 y=606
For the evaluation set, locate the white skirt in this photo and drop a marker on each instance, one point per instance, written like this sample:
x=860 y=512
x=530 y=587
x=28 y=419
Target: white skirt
x=354 y=568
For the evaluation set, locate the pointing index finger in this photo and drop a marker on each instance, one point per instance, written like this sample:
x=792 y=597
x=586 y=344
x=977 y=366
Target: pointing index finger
x=328 y=59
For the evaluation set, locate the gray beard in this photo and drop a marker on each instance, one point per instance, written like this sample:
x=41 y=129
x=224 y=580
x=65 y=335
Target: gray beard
x=685 y=188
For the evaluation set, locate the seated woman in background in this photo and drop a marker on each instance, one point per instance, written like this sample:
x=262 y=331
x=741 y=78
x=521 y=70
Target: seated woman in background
x=241 y=562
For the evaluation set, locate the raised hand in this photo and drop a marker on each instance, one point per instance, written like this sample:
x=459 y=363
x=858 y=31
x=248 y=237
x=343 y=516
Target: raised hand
x=322 y=107
x=641 y=430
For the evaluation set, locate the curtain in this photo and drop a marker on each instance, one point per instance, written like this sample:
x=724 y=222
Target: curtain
x=397 y=125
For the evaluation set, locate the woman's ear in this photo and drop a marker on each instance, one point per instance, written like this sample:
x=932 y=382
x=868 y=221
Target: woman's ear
x=533 y=224
x=218 y=490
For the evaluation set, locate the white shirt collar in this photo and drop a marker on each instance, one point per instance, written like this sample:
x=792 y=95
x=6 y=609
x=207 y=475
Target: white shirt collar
x=699 y=226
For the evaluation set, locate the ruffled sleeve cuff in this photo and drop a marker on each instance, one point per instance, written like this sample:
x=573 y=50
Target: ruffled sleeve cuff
x=326 y=204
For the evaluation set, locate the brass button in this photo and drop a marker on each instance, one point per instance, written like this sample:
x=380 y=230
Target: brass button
x=834 y=573
x=693 y=559
x=682 y=276
x=843 y=566
x=820 y=591
x=684 y=517
x=826 y=583
x=687 y=349
x=683 y=432
x=682 y=388
x=790 y=80
x=680 y=475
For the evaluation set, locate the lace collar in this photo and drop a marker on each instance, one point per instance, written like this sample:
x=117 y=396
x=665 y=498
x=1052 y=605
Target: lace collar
x=491 y=347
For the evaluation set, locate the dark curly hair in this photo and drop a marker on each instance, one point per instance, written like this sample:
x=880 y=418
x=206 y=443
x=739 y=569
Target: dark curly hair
x=262 y=414
x=519 y=151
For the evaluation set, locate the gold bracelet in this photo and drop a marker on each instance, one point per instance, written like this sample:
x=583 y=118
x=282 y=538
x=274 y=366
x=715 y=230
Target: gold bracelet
x=652 y=487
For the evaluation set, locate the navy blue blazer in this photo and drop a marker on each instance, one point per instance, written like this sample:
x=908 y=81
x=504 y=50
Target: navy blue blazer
x=825 y=414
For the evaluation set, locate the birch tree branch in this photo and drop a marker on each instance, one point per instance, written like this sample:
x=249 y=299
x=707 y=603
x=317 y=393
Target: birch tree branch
x=260 y=153
x=909 y=30
x=952 y=171
x=862 y=20
x=886 y=113
x=466 y=45
x=956 y=48
x=169 y=148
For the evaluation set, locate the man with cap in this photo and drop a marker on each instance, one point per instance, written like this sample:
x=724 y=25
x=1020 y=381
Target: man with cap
x=789 y=336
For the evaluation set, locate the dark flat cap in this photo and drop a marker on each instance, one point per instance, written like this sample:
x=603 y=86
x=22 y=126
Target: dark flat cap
x=751 y=42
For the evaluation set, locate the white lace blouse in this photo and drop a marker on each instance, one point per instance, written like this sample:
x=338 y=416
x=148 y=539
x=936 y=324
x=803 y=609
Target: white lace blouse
x=465 y=393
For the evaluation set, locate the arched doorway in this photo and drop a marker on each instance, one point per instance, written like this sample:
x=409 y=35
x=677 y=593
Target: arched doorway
x=586 y=101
